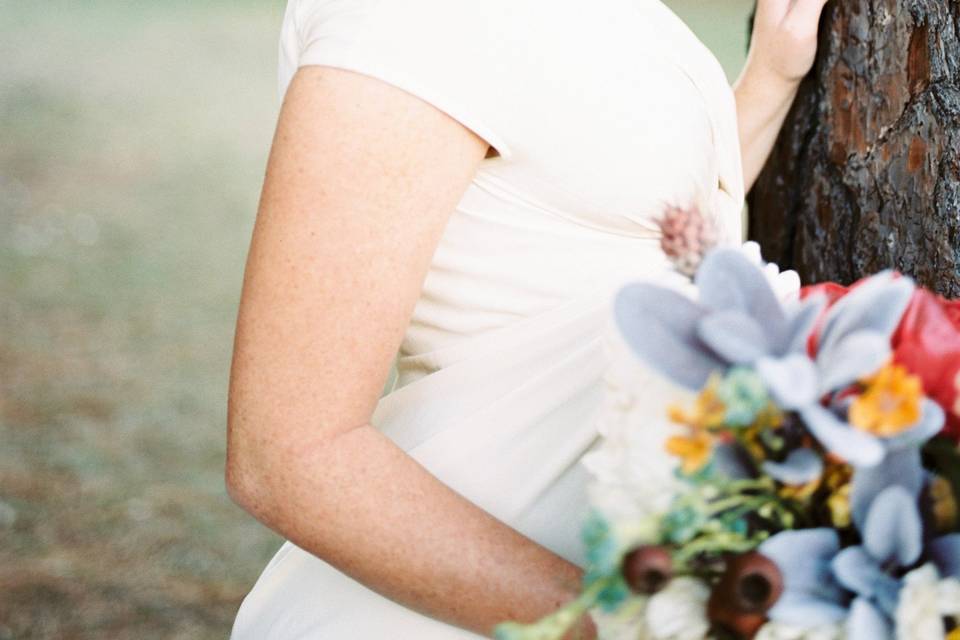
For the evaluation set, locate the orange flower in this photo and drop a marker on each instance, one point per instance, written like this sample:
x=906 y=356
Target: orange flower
x=694 y=450
x=889 y=404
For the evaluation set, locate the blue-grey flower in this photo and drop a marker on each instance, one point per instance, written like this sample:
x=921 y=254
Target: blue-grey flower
x=732 y=461
x=892 y=541
x=811 y=595
x=801 y=466
x=945 y=554
x=902 y=464
x=736 y=321
x=858 y=585
x=868 y=623
x=854 y=343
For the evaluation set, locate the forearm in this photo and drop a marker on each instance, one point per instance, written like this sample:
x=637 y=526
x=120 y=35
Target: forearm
x=763 y=102
x=366 y=507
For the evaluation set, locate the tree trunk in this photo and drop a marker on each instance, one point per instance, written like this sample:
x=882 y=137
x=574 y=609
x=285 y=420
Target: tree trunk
x=866 y=172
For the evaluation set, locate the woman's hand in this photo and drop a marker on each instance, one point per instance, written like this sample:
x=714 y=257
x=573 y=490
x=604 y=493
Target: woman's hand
x=784 y=42
x=782 y=51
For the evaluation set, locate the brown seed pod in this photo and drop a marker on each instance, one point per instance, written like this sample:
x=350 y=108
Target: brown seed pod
x=749 y=587
x=648 y=569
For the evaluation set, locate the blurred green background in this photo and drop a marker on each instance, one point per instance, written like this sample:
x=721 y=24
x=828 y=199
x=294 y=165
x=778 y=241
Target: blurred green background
x=133 y=139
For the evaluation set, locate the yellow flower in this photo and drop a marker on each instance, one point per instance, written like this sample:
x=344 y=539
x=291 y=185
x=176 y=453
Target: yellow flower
x=694 y=450
x=889 y=404
x=800 y=491
x=836 y=479
x=708 y=410
x=953 y=635
x=769 y=418
x=750 y=439
x=839 y=505
x=677 y=415
x=944 y=504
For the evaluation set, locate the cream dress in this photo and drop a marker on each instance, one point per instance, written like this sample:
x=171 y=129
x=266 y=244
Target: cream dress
x=603 y=112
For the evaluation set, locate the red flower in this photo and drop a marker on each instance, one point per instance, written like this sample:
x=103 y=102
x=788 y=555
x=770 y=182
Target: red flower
x=927 y=343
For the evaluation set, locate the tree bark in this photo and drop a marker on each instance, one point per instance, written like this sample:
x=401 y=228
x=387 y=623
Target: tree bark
x=866 y=172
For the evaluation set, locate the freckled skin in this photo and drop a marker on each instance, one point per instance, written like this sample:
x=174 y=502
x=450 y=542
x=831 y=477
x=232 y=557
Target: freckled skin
x=361 y=180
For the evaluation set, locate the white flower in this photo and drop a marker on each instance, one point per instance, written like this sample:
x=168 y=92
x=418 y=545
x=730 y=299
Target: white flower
x=925 y=600
x=948 y=596
x=633 y=475
x=679 y=612
x=626 y=623
x=786 y=284
x=779 y=631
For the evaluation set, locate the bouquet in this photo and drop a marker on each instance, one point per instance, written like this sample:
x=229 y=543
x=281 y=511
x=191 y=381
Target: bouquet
x=816 y=469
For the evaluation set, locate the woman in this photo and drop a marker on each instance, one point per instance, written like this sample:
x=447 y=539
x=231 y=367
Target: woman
x=466 y=184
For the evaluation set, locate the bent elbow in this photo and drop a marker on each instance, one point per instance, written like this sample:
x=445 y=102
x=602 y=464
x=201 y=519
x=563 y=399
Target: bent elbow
x=249 y=488
x=245 y=476
x=263 y=467
x=235 y=484
x=256 y=476
x=240 y=484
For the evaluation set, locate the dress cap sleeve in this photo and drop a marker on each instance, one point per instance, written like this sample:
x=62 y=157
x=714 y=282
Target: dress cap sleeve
x=441 y=51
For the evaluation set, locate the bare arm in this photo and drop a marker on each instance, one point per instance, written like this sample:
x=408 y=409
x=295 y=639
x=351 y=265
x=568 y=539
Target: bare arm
x=361 y=180
x=784 y=45
x=762 y=105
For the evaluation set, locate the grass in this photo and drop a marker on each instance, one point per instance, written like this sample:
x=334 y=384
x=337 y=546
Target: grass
x=133 y=137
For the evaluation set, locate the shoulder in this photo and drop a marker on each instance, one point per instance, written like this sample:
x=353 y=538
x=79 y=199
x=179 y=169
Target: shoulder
x=454 y=55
